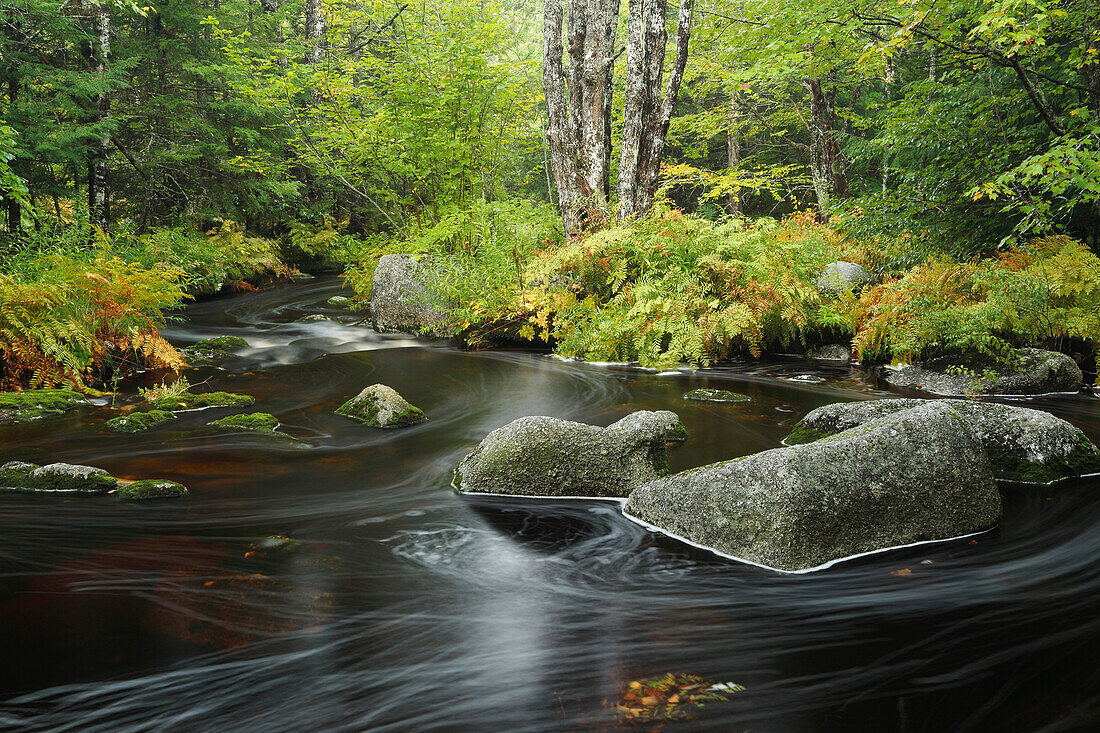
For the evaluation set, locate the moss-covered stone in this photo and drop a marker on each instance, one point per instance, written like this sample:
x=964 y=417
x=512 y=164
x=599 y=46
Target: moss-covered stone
x=716 y=395
x=13 y=474
x=139 y=422
x=340 y=301
x=150 y=489
x=215 y=348
x=1083 y=460
x=381 y=407
x=71 y=478
x=34 y=404
x=803 y=433
x=259 y=422
x=188 y=401
x=272 y=546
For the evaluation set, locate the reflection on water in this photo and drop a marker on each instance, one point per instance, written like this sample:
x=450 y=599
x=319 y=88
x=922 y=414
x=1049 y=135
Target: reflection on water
x=403 y=606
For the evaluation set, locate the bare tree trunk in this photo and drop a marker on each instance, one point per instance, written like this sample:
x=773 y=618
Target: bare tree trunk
x=887 y=94
x=828 y=166
x=99 y=198
x=315 y=30
x=646 y=116
x=733 y=150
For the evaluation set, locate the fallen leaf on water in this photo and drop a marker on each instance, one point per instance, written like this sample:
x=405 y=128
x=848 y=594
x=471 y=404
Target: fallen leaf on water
x=903 y=571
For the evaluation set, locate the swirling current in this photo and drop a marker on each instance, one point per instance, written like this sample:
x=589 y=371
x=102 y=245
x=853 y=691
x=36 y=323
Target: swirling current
x=396 y=604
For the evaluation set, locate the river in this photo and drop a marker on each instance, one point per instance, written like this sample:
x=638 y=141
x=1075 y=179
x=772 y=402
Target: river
x=399 y=605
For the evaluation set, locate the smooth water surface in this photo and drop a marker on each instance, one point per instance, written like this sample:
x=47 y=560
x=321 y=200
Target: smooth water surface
x=407 y=607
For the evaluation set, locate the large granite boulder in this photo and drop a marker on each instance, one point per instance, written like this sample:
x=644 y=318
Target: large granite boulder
x=546 y=456
x=840 y=276
x=915 y=476
x=1032 y=372
x=401 y=299
x=381 y=407
x=1023 y=445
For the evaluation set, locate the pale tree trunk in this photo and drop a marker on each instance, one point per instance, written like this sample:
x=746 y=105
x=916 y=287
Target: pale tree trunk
x=315 y=23
x=578 y=130
x=887 y=94
x=828 y=166
x=646 y=115
x=733 y=150
x=99 y=200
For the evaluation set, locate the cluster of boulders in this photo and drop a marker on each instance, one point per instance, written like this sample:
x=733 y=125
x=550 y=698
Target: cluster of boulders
x=853 y=478
x=66 y=478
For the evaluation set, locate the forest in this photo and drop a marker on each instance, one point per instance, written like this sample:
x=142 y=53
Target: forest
x=620 y=181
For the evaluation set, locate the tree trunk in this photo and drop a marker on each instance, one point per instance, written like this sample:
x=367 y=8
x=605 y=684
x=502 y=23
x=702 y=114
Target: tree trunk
x=315 y=30
x=733 y=150
x=646 y=116
x=99 y=199
x=828 y=166
x=887 y=95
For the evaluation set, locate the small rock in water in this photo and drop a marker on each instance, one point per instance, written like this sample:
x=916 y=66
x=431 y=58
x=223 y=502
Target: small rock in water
x=149 y=489
x=218 y=347
x=33 y=404
x=806 y=379
x=139 y=422
x=381 y=407
x=187 y=401
x=314 y=318
x=69 y=477
x=715 y=395
x=259 y=422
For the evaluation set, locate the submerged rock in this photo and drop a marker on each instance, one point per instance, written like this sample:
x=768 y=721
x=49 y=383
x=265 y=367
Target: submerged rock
x=187 y=401
x=218 y=347
x=400 y=299
x=138 y=422
x=33 y=404
x=716 y=395
x=259 y=422
x=1023 y=445
x=831 y=352
x=381 y=407
x=914 y=476
x=71 y=478
x=546 y=456
x=1032 y=372
x=150 y=489
x=840 y=276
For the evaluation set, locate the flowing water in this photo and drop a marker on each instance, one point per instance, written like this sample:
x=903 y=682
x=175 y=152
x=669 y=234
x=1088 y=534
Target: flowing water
x=407 y=607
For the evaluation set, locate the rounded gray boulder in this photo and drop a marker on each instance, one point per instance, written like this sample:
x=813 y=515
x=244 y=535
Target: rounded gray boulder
x=547 y=456
x=402 y=300
x=840 y=276
x=1031 y=372
x=916 y=476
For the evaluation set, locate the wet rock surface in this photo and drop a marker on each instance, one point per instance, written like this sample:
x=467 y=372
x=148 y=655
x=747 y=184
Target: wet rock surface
x=34 y=404
x=716 y=395
x=915 y=476
x=547 y=456
x=139 y=422
x=401 y=300
x=150 y=489
x=1031 y=372
x=381 y=407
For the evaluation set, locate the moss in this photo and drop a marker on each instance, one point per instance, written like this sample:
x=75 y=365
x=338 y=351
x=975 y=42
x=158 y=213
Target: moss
x=1082 y=461
x=13 y=474
x=150 y=489
x=37 y=403
x=716 y=395
x=678 y=434
x=658 y=458
x=139 y=422
x=188 y=401
x=260 y=422
x=339 y=301
x=63 y=477
x=803 y=433
x=410 y=416
x=362 y=410
x=218 y=347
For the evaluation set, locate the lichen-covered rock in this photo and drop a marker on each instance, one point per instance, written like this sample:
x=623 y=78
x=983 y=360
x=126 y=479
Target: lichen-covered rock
x=72 y=478
x=1032 y=372
x=381 y=407
x=840 y=276
x=915 y=476
x=340 y=301
x=716 y=395
x=273 y=546
x=149 y=489
x=259 y=422
x=314 y=318
x=211 y=349
x=401 y=299
x=33 y=404
x=187 y=401
x=13 y=474
x=1023 y=445
x=138 y=422
x=546 y=456
x=831 y=352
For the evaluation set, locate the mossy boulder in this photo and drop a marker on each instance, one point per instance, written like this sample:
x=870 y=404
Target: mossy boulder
x=67 y=477
x=340 y=301
x=258 y=422
x=33 y=404
x=830 y=352
x=139 y=422
x=403 y=297
x=716 y=395
x=381 y=407
x=1023 y=445
x=212 y=349
x=13 y=474
x=273 y=546
x=919 y=475
x=1027 y=372
x=547 y=456
x=149 y=489
x=187 y=401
